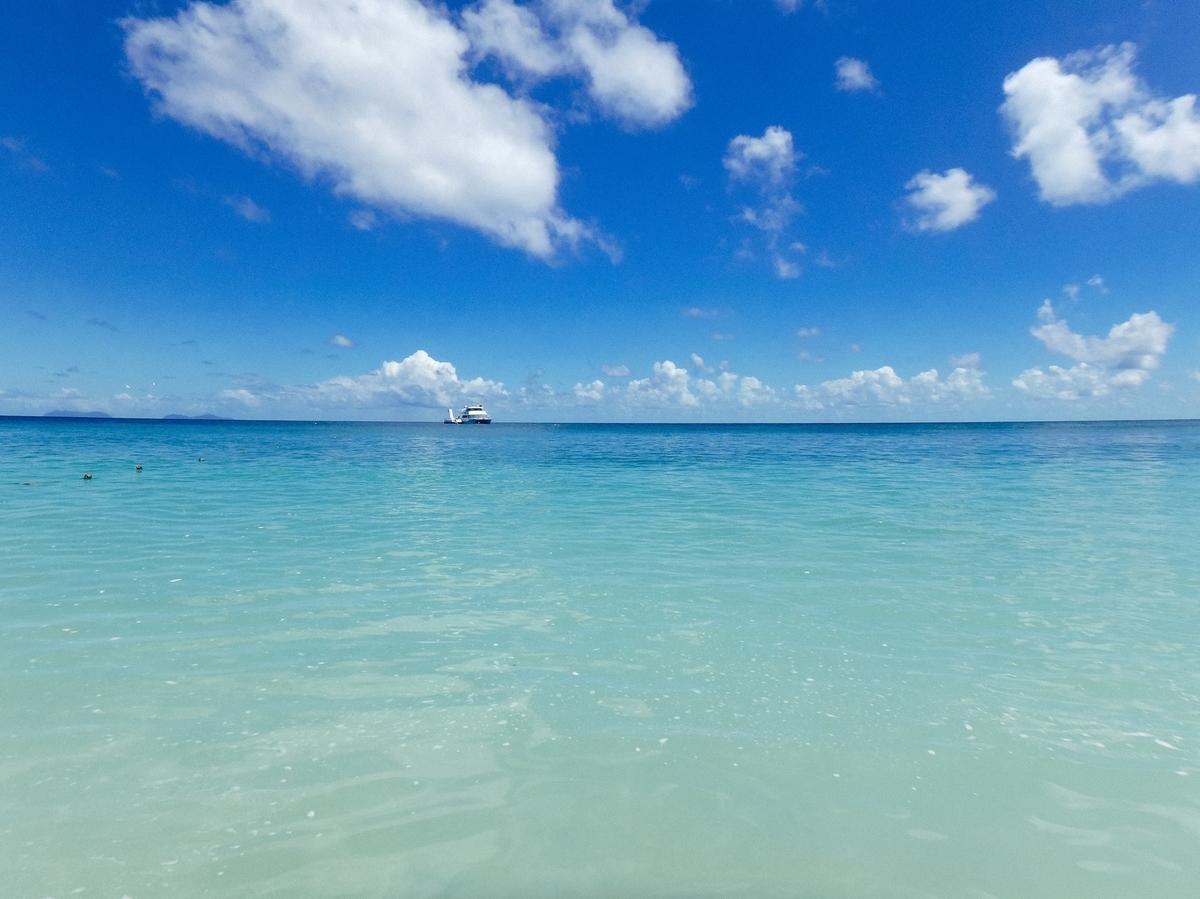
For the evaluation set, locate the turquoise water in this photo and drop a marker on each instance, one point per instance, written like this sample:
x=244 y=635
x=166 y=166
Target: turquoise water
x=369 y=660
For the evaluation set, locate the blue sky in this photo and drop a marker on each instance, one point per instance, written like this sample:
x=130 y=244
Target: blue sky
x=574 y=210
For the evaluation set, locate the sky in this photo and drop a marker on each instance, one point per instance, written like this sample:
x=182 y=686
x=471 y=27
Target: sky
x=592 y=210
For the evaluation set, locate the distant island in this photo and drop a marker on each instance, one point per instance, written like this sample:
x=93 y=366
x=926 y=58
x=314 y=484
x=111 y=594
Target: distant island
x=174 y=416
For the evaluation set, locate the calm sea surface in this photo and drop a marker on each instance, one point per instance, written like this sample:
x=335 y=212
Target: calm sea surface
x=377 y=660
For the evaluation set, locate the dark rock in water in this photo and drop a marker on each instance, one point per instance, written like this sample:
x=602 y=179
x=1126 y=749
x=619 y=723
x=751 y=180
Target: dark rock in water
x=69 y=413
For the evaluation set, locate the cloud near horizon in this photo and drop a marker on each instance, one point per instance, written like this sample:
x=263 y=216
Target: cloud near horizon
x=883 y=387
x=1093 y=131
x=420 y=381
x=378 y=98
x=417 y=380
x=1123 y=359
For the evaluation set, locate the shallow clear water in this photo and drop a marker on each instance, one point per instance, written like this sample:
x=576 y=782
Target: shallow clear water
x=414 y=660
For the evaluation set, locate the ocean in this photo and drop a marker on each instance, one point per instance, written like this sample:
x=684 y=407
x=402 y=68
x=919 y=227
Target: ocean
x=412 y=660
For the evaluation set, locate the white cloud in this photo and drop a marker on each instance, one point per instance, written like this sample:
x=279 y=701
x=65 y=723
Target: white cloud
x=886 y=388
x=1061 y=383
x=948 y=201
x=340 y=340
x=1092 y=130
x=768 y=163
x=747 y=391
x=592 y=393
x=770 y=159
x=1138 y=343
x=374 y=96
x=670 y=391
x=513 y=34
x=774 y=216
x=808 y=332
x=854 y=75
x=789 y=6
x=1123 y=359
x=417 y=380
x=672 y=387
x=668 y=386
x=615 y=371
x=631 y=75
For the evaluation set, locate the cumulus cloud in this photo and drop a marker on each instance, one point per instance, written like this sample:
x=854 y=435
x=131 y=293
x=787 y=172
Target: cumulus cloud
x=615 y=371
x=768 y=164
x=590 y=393
x=945 y=202
x=854 y=75
x=1092 y=130
x=417 y=380
x=1138 y=343
x=746 y=391
x=884 y=387
x=671 y=386
x=769 y=159
x=1123 y=359
x=377 y=98
x=340 y=340
x=514 y=35
x=630 y=74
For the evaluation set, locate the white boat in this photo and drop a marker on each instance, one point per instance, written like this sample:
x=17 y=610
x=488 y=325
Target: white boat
x=470 y=415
